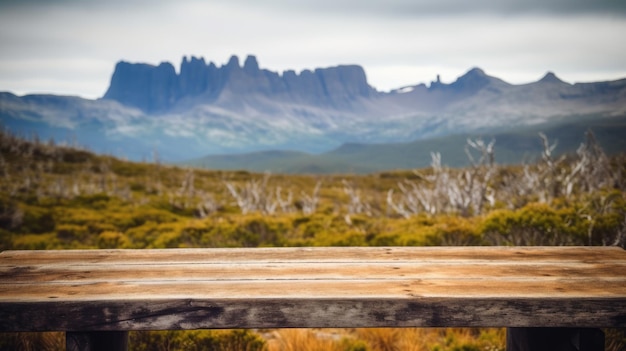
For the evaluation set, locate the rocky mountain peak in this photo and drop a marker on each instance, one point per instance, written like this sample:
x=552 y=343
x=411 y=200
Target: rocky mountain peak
x=193 y=61
x=194 y=76
x=157 y=89
x=144 y=86
x=550 y=77
x=474 y=80
x=475 y=72
x=251 y=65
x=233 y=62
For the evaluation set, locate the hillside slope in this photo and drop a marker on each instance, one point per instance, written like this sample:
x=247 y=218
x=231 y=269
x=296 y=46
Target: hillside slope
x=513 y=147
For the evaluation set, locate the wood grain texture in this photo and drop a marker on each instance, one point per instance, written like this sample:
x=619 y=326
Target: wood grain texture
x=112 y=290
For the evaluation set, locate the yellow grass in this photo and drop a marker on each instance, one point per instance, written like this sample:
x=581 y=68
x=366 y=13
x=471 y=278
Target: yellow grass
x=386 y=339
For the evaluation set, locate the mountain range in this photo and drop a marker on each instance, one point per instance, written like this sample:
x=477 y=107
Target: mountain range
x=204 y=109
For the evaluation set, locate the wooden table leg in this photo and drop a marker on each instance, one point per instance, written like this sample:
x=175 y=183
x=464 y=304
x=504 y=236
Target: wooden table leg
x=554 y=339
x=96 y=341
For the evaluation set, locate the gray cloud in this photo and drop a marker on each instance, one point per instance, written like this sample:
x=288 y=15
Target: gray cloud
x=374 y=7
x=419 y=8
x=71 y=46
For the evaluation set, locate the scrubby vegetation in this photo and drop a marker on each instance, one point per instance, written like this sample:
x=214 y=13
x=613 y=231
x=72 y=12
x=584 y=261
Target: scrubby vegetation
x=59 y=197
x=54 y=197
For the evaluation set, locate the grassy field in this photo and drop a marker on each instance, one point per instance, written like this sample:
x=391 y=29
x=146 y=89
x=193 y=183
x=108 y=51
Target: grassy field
x=56 y=197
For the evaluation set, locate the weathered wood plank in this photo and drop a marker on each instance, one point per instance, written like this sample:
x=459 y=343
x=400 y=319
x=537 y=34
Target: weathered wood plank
x=312 y=287
x=309 y=313
x=42 y=273
x=320 y=254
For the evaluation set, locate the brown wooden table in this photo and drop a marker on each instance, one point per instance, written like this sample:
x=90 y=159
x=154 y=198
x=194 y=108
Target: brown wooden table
x=96 y=296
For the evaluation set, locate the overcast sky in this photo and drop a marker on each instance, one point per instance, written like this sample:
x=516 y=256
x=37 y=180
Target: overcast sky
x=71 y=46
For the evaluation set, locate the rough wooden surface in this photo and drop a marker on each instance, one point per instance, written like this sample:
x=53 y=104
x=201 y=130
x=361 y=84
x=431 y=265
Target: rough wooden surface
x=312 y=287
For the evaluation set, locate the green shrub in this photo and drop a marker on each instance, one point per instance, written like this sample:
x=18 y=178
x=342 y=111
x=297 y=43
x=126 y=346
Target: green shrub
x=534 y=224
x=349 y=344
x=72 y=232
x=95 y=201
x=462 y=339
x=112 y=240
x=258 y=230
x=36 y=220
x=383 y=240
x=145 y=235
x=196 y=340
x=11 y=216
x=167 y=240
x=6 y=240
x=134 y=217
x=35 y=242
x=454 y=231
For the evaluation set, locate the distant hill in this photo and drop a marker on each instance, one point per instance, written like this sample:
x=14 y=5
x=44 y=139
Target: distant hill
x=512 y=147
x=204 y=109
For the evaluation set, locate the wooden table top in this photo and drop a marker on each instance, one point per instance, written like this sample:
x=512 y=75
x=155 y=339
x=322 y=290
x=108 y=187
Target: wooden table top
x=312 y=287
